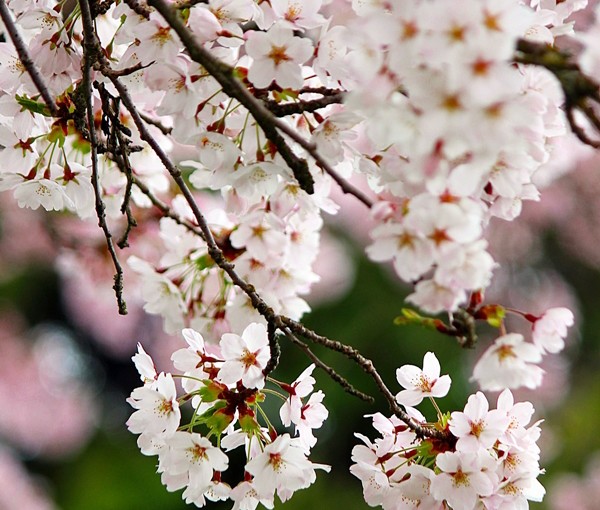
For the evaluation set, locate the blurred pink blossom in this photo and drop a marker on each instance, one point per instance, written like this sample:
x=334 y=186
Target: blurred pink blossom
x=51 y=415
x=18 y=490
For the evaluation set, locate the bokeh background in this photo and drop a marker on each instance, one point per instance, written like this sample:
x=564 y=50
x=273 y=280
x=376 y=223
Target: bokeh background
x=65 y=368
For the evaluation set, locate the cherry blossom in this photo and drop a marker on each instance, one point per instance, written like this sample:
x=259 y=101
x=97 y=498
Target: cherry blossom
x=509 y=362
x=245 y=356
x=421 y=383
x=283 y=468
x=477 y=427
x=427 y=112
x=157 y=409
x=277 y=56
x=550 y=329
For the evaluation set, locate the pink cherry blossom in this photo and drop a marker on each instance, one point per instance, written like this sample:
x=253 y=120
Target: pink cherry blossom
x=477 y=427
x=277 y=55
x=421 y=383
x=157 y=410
x=245 y=356
x=509 y=362
x=550 y=330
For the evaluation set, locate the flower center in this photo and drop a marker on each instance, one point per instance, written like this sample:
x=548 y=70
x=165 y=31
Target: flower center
x=278 y=54
x=460 y=479
x=248 y=358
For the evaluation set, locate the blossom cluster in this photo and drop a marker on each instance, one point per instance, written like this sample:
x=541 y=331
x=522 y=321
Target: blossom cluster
x=436 y=115
x=512 y=362
x=488 y=459
x=225 y=385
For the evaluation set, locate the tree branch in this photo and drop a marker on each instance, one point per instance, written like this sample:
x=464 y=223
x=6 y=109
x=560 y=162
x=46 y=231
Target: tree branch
x=274 y=320
x=308 y=106
x=90 y=51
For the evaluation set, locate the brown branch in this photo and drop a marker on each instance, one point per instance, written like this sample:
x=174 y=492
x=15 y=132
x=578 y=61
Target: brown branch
x=275 y=321
x=156 y=123
x=128 y=70
x=263 y=117
x=90 y=52
x=140 y=8
x=274 y=349
x=369 y=368
x=308 y=106
x=231 y=86
x=26 y=59
x=348 y=388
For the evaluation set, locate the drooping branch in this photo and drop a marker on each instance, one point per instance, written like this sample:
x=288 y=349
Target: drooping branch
x=275 y=321
x=119 y=146
x=348 y=388
x=369 y=368
x=90 y=50
x=25 y=59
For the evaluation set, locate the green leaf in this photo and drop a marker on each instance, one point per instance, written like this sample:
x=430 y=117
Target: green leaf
x=32 y=105
x=219 y=421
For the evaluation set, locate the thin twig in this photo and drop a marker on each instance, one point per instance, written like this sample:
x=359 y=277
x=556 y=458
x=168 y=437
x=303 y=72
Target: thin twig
x=348 y=388
x=128 y=70
x=90 y=50
x=139 y=8
x=156 y=123
x=369 y=368
x=26 y=59
x=119 y=146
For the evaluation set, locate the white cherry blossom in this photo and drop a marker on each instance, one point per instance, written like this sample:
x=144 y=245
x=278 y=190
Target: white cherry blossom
x=245 y=356
x=421 y=383
x=277 y=56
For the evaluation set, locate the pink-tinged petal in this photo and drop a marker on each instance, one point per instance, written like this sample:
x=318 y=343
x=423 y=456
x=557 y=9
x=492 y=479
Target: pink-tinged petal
x=257 y=44
x=409 y=397
x=460 y=425
x=431 y=366
x=231 y=372
x=477 y=406
x=256 y=337
x=448 y=462
x=408 y=376
x=481 y=483
x=441 y=387
x=194 y=339
x=261 y=73
x=232 y=346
